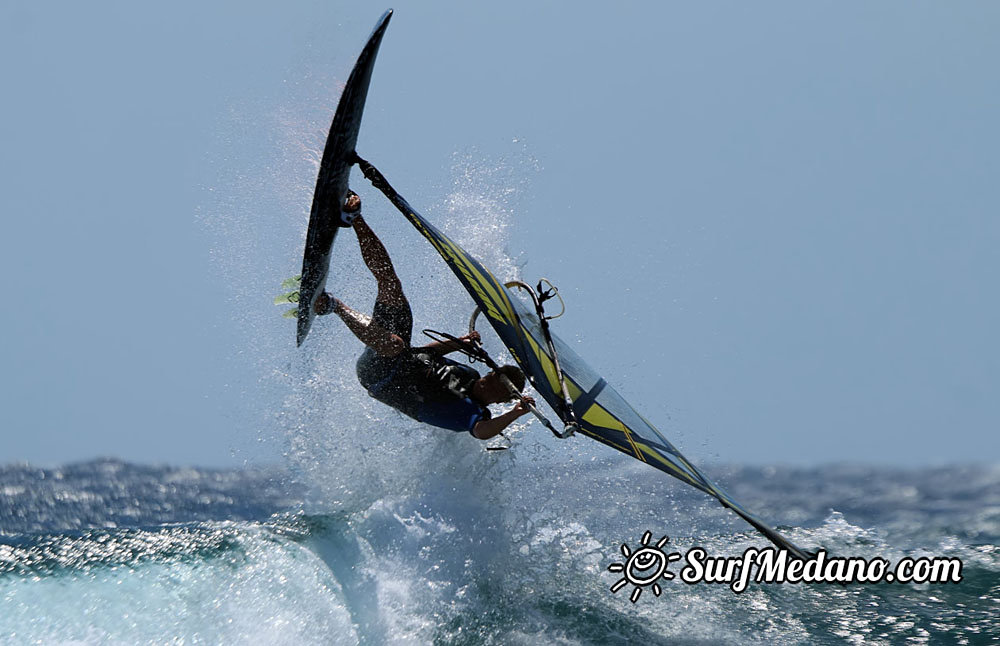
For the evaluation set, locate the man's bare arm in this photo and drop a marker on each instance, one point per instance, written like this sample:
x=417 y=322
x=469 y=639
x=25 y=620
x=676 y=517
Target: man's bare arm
x=487 y=428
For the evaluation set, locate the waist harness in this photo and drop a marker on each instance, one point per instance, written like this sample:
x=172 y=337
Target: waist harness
x=426 y=378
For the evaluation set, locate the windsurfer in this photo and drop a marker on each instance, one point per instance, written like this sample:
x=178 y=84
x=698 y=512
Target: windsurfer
x=422 y=382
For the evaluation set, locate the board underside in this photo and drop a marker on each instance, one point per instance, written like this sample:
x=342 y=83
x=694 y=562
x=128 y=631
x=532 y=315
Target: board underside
x=332 y=181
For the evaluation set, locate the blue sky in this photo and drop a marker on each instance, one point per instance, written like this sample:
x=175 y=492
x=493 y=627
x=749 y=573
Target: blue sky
x=776 y=224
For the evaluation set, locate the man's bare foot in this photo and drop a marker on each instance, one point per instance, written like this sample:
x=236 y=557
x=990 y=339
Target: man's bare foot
x=353 y=203
x=324 y=304
x=350 y=210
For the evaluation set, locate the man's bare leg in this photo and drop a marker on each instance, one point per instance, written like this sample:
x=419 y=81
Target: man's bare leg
x=367 y=331
x=390 y=289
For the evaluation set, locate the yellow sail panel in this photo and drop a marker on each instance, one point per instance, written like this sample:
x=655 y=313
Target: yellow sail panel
x=672 y=468
x=597 y=416
x=550 y=368
x=486 y=286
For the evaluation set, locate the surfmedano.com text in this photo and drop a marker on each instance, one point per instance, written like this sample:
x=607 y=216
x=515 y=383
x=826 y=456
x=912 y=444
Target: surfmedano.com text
x=771 y=565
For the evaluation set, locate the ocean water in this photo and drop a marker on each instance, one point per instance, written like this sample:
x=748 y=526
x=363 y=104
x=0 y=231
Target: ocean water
x=503 y=549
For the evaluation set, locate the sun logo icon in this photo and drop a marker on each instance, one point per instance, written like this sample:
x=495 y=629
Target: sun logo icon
x=644 y=567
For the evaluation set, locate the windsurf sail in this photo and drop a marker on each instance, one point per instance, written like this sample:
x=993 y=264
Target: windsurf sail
x=587 y=400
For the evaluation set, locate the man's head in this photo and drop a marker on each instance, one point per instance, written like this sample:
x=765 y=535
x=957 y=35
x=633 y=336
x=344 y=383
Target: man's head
x=491 y=388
